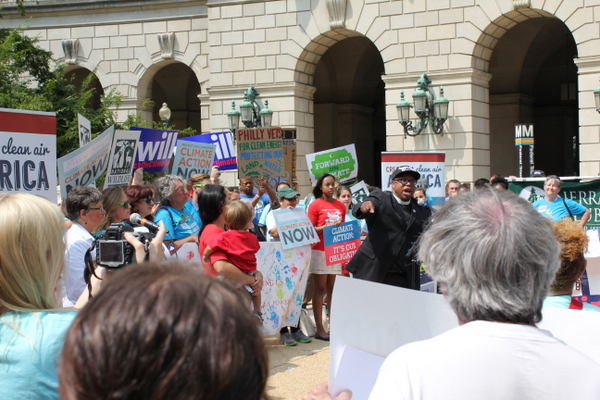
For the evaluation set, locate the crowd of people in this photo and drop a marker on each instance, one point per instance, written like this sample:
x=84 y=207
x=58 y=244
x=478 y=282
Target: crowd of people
x=496 y=258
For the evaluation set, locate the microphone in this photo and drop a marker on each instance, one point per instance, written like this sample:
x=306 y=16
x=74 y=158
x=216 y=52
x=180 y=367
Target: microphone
x=137 y=219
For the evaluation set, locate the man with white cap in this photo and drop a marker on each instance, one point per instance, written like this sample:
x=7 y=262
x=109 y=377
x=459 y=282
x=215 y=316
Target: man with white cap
x=395 y=221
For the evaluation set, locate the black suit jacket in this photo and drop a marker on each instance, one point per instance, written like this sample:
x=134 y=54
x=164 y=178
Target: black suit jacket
x=390 y=236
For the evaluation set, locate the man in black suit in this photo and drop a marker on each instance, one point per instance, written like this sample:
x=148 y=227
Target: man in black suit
x=395 y=221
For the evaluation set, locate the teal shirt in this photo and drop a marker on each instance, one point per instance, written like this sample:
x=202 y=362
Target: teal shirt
x=29 y=356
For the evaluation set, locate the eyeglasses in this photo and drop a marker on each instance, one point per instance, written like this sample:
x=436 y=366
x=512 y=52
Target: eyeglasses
x=123 y=204
x=405 y=181
x=148 y=201
x=200 y=184
x=96 y=208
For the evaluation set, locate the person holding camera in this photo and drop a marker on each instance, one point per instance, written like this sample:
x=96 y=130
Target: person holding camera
x=174 y=212
x=84 y=208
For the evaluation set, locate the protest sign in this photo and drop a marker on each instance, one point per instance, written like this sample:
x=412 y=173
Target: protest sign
x=585 y=193
x=28 y=152
x=225 y=155
x=359 y=192
x=83 y=166
x=364 y=322
x=260 y=152
x=121 y=158
x=294 y=228
x=193 y=158
x=340 y=162
x=289 y=160
x=284 y=275
x=589 y=288
x=430 y=165
x=341 y=242
x=155 y=149
x=85 y=130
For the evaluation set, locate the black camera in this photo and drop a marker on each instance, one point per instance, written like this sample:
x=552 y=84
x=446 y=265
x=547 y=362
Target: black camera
x=113 y=251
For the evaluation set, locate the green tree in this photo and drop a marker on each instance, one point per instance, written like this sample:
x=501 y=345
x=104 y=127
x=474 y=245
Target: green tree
x=28 y=81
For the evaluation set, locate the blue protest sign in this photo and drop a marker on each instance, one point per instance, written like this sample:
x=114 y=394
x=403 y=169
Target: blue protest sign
x=154 y=149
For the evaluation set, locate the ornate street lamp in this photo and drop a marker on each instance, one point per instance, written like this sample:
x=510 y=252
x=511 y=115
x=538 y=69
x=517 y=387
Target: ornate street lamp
x=251 y=114
x=165 y=115
x=597 y=98
x=429 y=109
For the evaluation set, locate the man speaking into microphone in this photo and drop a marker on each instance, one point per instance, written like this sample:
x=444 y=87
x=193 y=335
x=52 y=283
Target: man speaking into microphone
x=395 y=222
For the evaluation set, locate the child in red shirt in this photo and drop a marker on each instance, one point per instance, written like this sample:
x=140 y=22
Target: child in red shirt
x=238 y=244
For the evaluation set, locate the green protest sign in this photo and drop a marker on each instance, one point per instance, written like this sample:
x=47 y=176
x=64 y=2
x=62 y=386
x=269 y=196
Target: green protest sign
x=340 y=162
x=585 y=193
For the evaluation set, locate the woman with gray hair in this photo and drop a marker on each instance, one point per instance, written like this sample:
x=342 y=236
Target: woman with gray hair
x=179 y=220
x=558 y=208
x=494 y=260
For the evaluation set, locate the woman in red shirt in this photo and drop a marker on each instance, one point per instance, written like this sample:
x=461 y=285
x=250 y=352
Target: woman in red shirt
x=324 y=211
x=212 y=204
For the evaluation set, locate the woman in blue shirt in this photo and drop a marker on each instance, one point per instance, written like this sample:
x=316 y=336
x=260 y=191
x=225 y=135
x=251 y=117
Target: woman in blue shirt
x=558 y=208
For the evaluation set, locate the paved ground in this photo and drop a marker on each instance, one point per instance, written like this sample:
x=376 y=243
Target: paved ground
x=295 y=370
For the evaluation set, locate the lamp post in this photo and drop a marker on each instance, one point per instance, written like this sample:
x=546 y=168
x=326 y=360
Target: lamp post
x=597 y=98
x=164 y=114
x=429 y=109
x=251 y=114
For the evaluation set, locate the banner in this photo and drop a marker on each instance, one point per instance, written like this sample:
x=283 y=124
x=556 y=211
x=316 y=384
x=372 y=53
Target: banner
x=430 y=165
x=260 y=152
x=225 y=155
x=341 y=242
x=340 y=162
x=121 y=158
x=85 y=130
x=285 y=273
x=83 y=166
x=585 y=193
x=155 y=149
x=289 y=160
x=28 y=152
x=294 y=228
x=193 y=158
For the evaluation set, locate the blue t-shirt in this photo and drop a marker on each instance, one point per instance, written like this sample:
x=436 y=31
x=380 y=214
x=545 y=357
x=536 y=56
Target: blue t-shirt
x=260 y=205
x=556 y=210
x=29 y=355
x=180 y=224
x=564 y=302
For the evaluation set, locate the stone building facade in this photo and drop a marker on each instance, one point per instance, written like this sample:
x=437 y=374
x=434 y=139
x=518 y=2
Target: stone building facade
x=334 y=70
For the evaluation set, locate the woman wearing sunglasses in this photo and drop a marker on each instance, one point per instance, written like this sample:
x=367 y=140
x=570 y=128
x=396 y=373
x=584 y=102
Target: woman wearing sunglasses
x=141 y=200
x=116 y=205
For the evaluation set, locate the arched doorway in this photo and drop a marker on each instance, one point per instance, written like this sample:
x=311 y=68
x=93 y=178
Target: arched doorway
x=177 y=85
x=77 y=75
x=349 y=103
x=534 y=81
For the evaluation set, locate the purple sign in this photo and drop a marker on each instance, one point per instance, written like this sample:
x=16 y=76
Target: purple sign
x=225 y=155
x=155 y=149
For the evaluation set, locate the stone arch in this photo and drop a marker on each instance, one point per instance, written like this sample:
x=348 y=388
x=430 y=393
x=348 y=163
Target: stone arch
x=529 y=55
x=175 y=83
x=78 y=74
x=345 y=68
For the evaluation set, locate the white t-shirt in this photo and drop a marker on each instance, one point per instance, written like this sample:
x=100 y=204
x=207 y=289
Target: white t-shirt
x=488 y=360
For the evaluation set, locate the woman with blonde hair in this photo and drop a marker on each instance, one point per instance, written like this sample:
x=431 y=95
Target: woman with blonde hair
x=573 y=245
x=32 y=327
x=117 y=207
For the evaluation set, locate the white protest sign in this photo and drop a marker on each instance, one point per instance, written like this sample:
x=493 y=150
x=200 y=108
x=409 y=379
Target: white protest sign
x=284 y=275
x=83 y=166
x=294 y=228
x=359 y=192
x=364 y=322
x=121 y=158
x=193 y=158
x=28 y=153
x=85 y=130
x=430 y=165
x=340 y=162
